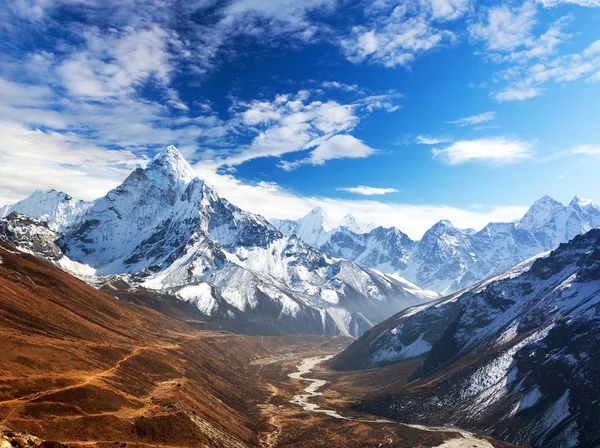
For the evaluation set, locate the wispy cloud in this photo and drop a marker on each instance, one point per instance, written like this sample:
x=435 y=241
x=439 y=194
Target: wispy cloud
x=518 y=93
x=339 y=85
x=475 y=119
x=424 y=140
x=337 y=147
x=585 y=3
x=496 y=150
x=505 y=28
x=588 y=150
x=511 y=36
x=66 y=162
x=290 y=123
x=368 y=191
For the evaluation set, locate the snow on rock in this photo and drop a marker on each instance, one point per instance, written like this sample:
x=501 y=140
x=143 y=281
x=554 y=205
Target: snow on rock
x=448 y=259
x=164 y=229
x=201 y=296
x=57 y=209
x=514 y=356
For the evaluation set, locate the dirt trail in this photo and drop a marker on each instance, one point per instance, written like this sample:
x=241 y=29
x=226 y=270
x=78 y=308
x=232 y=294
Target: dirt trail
x=86 y=380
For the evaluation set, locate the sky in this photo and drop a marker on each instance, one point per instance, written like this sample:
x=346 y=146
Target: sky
x=401 y=113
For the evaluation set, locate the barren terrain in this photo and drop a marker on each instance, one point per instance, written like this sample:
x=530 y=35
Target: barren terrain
x=85 y=369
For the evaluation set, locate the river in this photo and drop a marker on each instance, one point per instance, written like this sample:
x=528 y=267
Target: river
x=312 y=390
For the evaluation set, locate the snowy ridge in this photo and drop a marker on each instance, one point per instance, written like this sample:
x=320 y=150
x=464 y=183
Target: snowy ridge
x=165 y=230
x=448 y=259
x=55 y=208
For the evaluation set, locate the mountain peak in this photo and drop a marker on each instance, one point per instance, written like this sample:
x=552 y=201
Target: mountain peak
x=170 y=162
x=540 y=213
x=580 y=202
x=444 y=224
x=546 y=200
x=350 y=222
x=317 y=218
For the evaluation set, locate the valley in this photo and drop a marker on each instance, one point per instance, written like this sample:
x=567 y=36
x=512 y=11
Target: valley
x=84 y=369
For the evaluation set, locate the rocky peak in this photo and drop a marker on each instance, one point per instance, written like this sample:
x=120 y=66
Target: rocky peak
x=170 y=166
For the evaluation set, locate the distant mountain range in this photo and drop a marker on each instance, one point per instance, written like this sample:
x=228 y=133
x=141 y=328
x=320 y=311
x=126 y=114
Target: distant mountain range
x=447 y=259
x=165 y=231
x=515 y=356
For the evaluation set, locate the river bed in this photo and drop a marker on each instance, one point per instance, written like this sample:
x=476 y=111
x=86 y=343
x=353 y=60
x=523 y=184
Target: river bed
x=467 y=439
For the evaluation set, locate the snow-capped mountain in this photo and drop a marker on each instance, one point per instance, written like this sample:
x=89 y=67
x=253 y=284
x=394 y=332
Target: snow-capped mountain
x=386 y=250
x=56 y=208
x=448 y=259
x=165 y=230
x=515 y=356
x=354 y=225
x=312 y=229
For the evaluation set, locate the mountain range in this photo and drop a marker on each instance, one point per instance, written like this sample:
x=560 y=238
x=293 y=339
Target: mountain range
x=447 y=259
x=515 y=356
x=165 y=231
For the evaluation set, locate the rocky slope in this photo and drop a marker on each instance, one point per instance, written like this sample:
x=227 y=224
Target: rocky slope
x=515 y=356
x=165 y=230
x=448 y=259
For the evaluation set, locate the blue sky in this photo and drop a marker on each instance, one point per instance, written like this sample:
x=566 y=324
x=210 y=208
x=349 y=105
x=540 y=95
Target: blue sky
x=402 y=113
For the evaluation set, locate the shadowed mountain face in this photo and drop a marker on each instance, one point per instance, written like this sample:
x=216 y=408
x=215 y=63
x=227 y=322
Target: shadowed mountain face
x=448 y=259
x=516 y=356
x=165 y=233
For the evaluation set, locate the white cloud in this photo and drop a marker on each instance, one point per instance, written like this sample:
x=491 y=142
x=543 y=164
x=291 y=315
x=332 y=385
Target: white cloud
x=340 y=146
x=505 y=28
x=112 y=63
x=475 y=119
x=32 y=159
x=292 y=123
x=339 y=85
x=531 y=60
x=525 y=82
x=368 y=191
x=592 y=50
x=493 y=150
x=589 y=150
x=446 y=9
x=400 y=31
x=424 y=140
x=585 y=3
x=518 y=93
x=273 y=201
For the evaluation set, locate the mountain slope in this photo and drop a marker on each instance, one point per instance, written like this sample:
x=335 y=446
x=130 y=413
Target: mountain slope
x=86 y=369
x=166 y=231
x=83 y=367
x=515 y=356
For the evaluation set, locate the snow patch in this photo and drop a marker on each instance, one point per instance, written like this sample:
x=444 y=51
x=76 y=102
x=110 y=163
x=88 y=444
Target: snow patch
x=529 y=399
x=201 y=296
